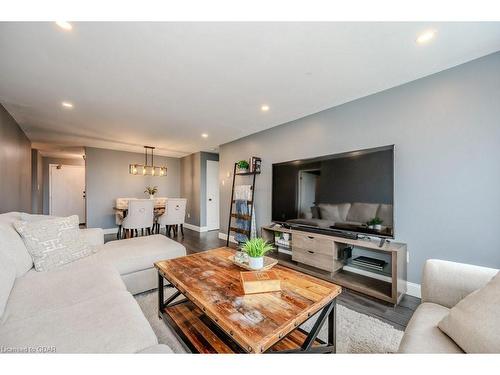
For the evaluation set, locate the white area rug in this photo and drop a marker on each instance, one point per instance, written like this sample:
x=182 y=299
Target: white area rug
x=356 y=333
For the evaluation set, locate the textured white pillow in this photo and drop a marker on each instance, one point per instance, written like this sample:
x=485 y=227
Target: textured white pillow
x=474 y=322
x=53 y=242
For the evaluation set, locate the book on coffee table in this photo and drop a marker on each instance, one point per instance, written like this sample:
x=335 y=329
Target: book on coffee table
x=260 y=282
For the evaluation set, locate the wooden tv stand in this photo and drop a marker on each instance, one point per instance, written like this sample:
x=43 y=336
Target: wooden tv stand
x=321 y=255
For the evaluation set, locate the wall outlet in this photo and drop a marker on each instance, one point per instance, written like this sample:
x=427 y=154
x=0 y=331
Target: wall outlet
x=407 y=257
x=189 y=215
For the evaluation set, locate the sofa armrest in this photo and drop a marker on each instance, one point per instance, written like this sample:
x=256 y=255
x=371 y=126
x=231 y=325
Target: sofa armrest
x=95 y=236
x=446 y=283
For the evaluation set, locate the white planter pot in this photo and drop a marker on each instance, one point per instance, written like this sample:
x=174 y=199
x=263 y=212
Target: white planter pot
x=377 y=227
x=256 y=263
x=151 y=196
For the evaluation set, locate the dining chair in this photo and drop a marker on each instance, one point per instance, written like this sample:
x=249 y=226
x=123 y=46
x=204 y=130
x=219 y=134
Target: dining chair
x=174 y=215
x=160 y=204
x=140 y=216
x=121 y=203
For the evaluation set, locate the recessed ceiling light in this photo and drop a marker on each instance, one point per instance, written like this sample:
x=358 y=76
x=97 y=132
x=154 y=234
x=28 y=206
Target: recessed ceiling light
x=264 y=108
x=204 y=135
x=426 y=37
x=67 y=105
x=64 y=25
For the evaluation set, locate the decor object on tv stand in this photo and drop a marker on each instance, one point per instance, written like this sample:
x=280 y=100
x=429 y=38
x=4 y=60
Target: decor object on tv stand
x=256 y=248
x=375 y=223
x=151 y=190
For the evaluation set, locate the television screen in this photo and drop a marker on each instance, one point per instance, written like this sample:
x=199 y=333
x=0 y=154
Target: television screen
x=352 y=192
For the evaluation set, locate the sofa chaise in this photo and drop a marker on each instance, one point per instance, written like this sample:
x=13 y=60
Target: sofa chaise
x=444 y=284
x=85 y=306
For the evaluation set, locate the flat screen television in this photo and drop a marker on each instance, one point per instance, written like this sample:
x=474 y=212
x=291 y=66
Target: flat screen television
x=351 y=192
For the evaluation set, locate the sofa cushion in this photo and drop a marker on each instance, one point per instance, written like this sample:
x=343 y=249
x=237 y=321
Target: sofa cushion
x=334 y=212
x=474 y=322
x=384 y=212
x=32 y=218
x=362 y=212
x=7 y=277
x=139 y=253
x=13 y=245
x=111 y=323
x=40 y=292
x=157 y=349
x=422 y=334
x=53 y=242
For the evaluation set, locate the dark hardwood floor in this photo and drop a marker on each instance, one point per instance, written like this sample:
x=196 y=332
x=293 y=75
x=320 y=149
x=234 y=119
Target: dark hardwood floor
x=397 y=316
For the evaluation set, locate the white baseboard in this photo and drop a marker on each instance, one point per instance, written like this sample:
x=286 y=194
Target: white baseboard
x=195 y=227
x=223 y=236
x=413 y=290
x=110 y=230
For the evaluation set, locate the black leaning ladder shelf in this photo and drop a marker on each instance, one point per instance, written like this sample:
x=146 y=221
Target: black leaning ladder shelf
x=232 y=215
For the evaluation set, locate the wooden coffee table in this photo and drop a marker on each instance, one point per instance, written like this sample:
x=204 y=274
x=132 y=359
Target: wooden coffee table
x=217 y=317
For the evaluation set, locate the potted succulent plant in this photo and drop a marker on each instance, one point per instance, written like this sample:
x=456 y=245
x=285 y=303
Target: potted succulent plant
x=256 y=248
x=242 y=166
x=375 y=223
x=151 y=190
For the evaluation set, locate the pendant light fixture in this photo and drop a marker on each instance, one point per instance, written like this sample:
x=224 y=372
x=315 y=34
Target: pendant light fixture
x=148 y=169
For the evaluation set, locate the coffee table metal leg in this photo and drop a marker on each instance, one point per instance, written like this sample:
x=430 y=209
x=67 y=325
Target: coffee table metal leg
x=332 y=328
x=160 y=295
x=324 y=314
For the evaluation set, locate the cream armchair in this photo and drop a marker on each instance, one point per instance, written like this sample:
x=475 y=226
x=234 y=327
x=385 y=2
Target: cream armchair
x=444 y=284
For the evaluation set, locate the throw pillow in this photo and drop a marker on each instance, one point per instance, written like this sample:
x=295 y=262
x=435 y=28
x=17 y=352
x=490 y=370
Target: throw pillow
x=474 y=322
x=53 y=242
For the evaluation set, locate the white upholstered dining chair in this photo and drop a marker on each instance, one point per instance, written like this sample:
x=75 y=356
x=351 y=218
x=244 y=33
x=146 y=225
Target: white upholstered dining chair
x=174 y=215
x=140 y=216
x=120 y=204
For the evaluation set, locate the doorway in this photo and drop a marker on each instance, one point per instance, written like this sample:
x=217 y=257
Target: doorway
x=212 y=203
x=67 y=191
x=308 y=184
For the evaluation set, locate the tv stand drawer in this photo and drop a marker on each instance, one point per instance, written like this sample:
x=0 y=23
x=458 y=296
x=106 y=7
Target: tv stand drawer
x=319 y=245
x=314 y=259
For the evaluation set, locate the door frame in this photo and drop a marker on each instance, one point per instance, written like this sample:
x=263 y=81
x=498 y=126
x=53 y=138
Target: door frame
x=206 y=195
x=51 y=166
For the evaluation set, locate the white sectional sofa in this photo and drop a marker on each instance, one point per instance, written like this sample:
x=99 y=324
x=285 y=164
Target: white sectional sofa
x=85 y=306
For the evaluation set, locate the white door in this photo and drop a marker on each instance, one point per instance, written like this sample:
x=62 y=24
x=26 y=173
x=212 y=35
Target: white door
x=212 y=195
x=67 y=190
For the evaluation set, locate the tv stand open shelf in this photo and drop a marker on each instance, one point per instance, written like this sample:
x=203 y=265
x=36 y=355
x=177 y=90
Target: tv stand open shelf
x=321 y=255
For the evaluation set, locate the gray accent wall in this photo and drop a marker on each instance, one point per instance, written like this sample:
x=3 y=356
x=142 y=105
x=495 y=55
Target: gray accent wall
x=190 y=187
x=36 y=182
x=446 y=132
x=15 y=164
x=46 y=161
x=107 y=178
x=193 y=186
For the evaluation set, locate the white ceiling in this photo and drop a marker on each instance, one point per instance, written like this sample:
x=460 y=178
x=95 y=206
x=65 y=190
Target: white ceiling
x=163 y=84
